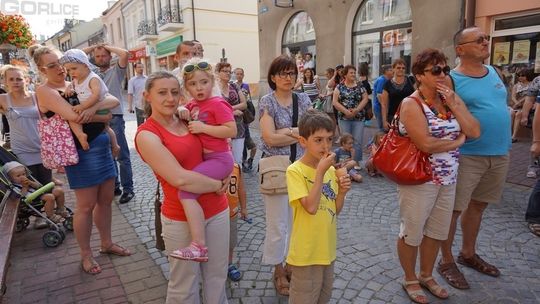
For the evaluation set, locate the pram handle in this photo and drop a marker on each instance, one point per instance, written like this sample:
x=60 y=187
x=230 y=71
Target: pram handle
x=45 y=189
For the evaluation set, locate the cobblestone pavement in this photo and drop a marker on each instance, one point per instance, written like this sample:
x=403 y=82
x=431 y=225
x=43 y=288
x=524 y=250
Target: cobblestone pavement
x=367 y=268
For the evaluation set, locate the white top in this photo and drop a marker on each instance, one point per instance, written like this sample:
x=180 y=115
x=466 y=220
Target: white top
x=83 y=89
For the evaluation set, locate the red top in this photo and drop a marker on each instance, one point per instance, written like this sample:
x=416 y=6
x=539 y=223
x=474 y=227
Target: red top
x=214 y=111
x=187 y=150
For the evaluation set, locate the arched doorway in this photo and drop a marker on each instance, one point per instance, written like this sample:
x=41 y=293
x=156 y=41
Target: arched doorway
x=382 y=32
x=299 y=37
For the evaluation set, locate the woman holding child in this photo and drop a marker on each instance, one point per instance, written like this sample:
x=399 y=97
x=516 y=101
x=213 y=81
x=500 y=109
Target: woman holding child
x=93 y=177
x=166 y=144
x=438 y=122
x=278 y=134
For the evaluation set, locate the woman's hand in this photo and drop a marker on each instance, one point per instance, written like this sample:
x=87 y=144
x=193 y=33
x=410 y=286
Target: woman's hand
x=447 y=94
x=196 y=127
x=224 y=185
x=238 y=113
x=183 y=113
x=461 y=139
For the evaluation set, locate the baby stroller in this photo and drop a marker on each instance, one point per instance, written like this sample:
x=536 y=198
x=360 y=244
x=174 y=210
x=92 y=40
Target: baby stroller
x=31 y=205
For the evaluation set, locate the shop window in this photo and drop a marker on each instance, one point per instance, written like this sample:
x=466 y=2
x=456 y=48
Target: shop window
x=386 y=37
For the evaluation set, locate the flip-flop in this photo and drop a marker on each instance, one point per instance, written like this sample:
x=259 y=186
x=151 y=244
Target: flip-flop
x=535 y=229
x=111 y=250
x=94 y=266
x=435 y=289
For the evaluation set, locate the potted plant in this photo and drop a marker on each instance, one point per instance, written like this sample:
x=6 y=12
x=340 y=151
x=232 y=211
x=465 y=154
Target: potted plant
x=15 y=32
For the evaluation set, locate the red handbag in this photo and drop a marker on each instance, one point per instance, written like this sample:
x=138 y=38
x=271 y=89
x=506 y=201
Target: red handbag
x=399 y=160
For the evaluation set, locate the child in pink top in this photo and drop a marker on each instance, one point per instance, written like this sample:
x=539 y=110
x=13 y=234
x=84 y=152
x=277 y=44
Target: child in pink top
x=212 y=119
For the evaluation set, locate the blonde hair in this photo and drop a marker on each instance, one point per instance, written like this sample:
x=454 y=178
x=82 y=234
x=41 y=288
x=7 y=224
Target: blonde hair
x=184 y=77
x=37 y=51
x=9 y=67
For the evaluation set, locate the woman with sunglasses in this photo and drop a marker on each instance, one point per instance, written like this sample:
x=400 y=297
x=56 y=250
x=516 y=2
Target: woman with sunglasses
x=437 y=122
x=394 y=91
x=165 y=143
x=277 y=136
x=92 y=179
x=211 y=118
x=238 y=101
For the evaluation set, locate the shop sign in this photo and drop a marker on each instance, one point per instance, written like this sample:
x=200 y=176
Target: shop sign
x=136 y=55
x=168 y=46
x=394 y=37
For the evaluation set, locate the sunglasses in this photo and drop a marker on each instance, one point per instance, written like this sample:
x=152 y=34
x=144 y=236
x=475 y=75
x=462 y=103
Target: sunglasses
x=478 y=40
x=202 y=66
x=436 y=70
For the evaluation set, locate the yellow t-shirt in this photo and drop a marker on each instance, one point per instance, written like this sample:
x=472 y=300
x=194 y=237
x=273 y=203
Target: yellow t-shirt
x=232 y=191
x=313 y=237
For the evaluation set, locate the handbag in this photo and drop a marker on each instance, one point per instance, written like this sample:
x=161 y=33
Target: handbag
x=160 y=243
x=249 y=113
x=57 y=144
x=399 y=160
x=327 y=105
x=368 y=110
x=272 y=169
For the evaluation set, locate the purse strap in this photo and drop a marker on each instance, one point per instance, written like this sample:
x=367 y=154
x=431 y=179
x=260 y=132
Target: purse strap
x=395 y=120
x=292 y=157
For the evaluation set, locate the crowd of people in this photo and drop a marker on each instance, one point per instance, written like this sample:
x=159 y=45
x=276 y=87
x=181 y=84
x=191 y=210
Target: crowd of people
x=193 y=132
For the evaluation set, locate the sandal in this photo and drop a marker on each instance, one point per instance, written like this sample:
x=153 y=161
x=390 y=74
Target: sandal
x=281 y=284
x=434 y=288
x=535 y=229
x=475 y=262
x=62 y=212
x=116 y=250
x=452 y=275
x=94 y=266
x=194 y=252
x=57 y=219
x=417 y=296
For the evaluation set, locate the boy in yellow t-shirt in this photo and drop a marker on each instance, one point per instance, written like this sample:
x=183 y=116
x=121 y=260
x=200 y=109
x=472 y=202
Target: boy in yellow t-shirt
x=316 y=196
x=235 y=194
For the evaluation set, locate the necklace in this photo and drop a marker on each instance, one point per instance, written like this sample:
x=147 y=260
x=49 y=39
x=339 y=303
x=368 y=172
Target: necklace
x=443 y=116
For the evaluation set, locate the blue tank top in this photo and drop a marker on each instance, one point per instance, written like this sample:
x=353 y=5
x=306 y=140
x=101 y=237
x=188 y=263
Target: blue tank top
x=485 y=98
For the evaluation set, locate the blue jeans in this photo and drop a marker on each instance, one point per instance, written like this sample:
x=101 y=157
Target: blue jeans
x=532 y=215
x=126 y=175
x=378 y=115
x=356 y=129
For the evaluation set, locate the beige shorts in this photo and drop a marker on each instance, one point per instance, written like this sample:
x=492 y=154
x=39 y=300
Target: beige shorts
x=311 y=284
x=425 y=210
x=480 y=178
x=233 y=234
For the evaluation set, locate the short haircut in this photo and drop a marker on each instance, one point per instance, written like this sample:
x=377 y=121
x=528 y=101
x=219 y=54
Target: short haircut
x=330 y=71
x=313 y=121
x=221 y=65
x=236 y=69
x=458 y=36
x=280 y=64
x=386 y=67
x=347 y=68
x=345 y=137
x=187 y=43
x=137 y=63
x=398 y=61
x=528 y=73
x=425 y=58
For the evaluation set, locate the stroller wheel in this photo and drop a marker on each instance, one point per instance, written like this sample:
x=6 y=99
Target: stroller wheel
x=62 y=233
x=68 y=223
x=52 y=238
x=21 y=224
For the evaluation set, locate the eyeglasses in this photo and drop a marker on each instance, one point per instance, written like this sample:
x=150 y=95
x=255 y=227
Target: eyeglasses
x=202 y=66
x=53 y=65
x=284 y=75
x=436 y=70
x=478 y=40
x=226 y=71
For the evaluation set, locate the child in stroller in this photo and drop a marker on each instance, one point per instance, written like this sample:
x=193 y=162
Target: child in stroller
x=24 y=186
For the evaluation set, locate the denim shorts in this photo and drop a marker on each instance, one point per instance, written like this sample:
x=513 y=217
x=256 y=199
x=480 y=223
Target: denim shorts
x=95 y=165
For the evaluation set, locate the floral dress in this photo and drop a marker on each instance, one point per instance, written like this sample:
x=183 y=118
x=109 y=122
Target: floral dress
x=350 y=98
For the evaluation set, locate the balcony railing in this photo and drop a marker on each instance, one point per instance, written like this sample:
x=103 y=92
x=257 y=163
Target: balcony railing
x=170 y=19
x=147 y=30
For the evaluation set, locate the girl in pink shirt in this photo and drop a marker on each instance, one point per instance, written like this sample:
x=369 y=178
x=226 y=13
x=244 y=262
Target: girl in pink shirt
x=212 y=119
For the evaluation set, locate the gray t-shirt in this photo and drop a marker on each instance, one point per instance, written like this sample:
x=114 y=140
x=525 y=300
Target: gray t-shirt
x=282 y=119
x=113 y=78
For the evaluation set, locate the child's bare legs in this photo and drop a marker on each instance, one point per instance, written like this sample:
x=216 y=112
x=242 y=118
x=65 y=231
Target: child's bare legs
x=350 y=164
x=79 y=133
x=48 y=198
x=115 y=147
x=58 y=193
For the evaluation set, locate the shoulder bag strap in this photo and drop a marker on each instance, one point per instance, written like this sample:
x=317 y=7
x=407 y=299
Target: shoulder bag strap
x=294 y=124
x=395 y=121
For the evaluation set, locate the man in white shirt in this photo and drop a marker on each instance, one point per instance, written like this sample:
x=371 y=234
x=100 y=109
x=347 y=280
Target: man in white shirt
x=135 y=91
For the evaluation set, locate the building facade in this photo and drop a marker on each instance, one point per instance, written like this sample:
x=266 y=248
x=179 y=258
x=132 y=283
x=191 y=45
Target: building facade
x=374 y=32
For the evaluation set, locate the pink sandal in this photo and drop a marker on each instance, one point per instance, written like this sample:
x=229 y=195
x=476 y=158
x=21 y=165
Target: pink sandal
x=194 y=252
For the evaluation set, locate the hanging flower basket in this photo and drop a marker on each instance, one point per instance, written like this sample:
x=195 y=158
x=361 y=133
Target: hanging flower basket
x=14 y=32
